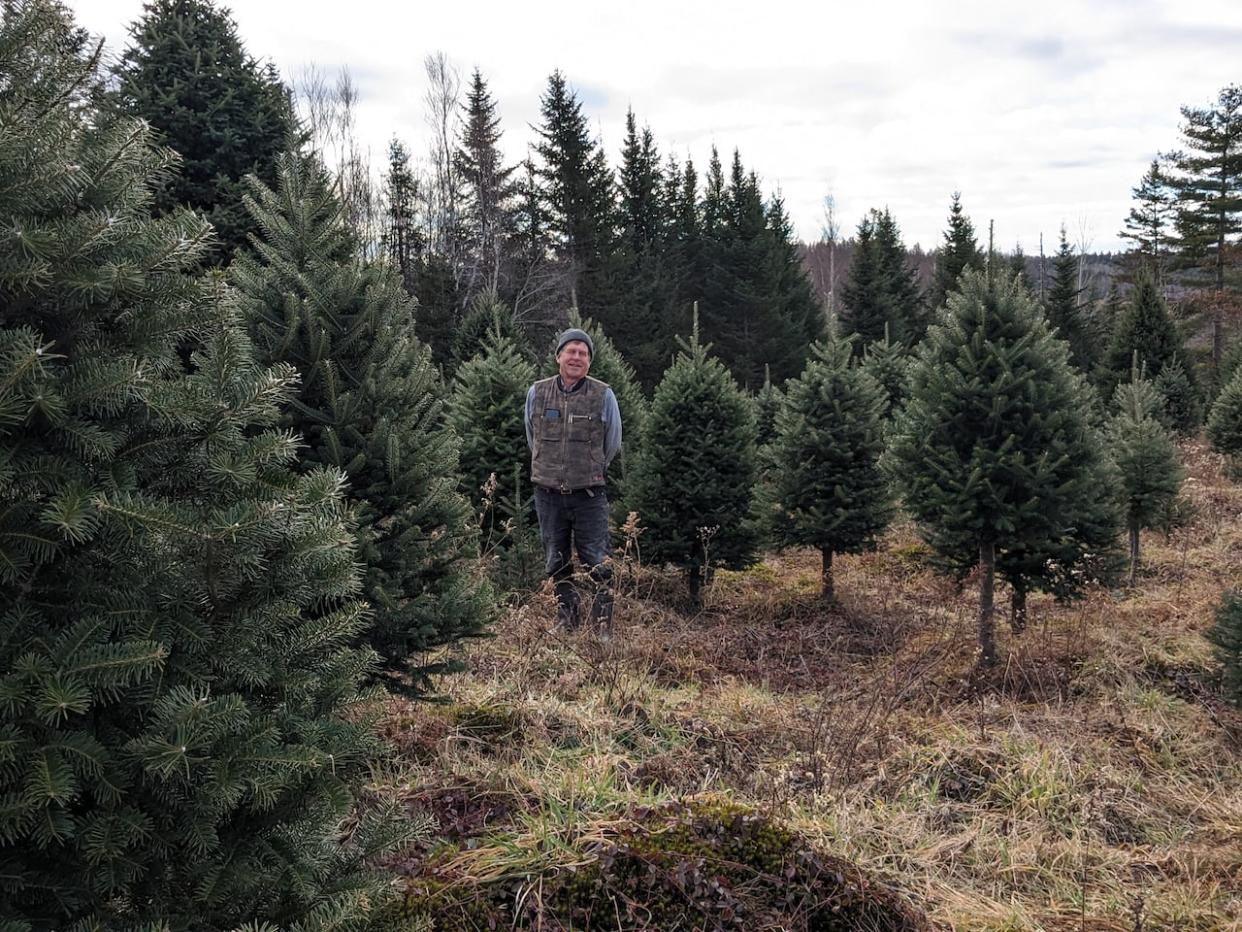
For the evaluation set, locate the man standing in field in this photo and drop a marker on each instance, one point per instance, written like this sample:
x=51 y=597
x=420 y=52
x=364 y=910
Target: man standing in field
x=573 y=428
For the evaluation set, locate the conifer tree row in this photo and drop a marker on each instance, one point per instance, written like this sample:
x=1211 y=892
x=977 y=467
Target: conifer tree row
x=183 y=726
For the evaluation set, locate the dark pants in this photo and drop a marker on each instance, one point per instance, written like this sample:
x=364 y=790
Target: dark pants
x=579 y=519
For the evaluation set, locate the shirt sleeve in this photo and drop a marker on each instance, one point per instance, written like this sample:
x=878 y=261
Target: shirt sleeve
x=611 y=417
x=530 y=411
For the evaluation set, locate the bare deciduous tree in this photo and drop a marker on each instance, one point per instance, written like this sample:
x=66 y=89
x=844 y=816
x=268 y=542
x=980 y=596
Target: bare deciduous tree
x=329 y=110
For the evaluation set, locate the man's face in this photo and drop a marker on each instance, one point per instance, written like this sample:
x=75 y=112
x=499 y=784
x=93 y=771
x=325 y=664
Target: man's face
x=574 y=360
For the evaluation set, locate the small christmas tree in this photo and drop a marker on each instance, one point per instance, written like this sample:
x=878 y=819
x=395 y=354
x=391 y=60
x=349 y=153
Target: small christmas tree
x=1144 y=327
x=487 y=411
x=768 y=401
x=992 y=450
x=1145 y=456
x=487 y=312
x=1224 y=426
x=696 y=475
x=183 y=728
x=829 y=492
x=1226 y=637
x=889 y=364
x=370 y=405
x=1183 y=410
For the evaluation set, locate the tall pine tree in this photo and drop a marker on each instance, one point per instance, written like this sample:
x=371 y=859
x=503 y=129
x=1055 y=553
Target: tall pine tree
x=489 y=193
x=959 y=252
x=1065 y=308
x=1149 y=226
x=369 y=404
x=578 y=203
x=187 y=73
x=183 y=729
x=1208 y=182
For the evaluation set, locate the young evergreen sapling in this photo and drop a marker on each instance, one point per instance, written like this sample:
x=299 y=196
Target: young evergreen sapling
x=696 y=475
x=1146 y=458
x=828 y=490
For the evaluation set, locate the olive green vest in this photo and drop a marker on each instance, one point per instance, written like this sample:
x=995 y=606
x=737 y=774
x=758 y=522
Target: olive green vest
x=567 y=449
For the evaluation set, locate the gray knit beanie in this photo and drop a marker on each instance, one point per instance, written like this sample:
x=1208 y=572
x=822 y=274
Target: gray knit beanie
x=573 y=333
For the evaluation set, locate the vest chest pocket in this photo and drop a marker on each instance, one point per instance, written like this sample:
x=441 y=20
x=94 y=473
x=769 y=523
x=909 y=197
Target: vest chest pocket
x=582 y=428
x=551 y=424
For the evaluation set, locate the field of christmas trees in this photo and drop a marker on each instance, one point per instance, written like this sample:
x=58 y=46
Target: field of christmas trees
x=927 y=610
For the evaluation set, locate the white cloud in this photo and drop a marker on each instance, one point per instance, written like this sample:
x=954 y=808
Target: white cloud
x=1039 y=114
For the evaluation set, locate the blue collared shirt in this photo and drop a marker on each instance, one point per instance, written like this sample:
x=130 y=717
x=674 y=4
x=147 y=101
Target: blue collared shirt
x=611 y=417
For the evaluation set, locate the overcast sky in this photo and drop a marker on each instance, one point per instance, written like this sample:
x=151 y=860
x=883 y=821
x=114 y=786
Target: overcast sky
x=1039 y=113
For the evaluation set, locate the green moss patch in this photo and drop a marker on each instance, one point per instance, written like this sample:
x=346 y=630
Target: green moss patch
x=705 y=863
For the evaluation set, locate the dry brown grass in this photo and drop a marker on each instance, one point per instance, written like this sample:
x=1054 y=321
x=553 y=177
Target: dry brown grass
x=1093 y=782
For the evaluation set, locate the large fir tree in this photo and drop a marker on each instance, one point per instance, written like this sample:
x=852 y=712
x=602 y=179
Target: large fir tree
x=183 y=731
x=578 y=202
x=993 y=447
x=696 y=475
x=369 y=404
x=490 y=190
x=187 y=73
x=827 y=488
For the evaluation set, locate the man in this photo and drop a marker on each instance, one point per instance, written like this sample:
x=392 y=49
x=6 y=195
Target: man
x=573 y=429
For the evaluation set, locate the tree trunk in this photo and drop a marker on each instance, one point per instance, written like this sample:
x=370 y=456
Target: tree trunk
x=1134 y=553
x=1017 y=610
x=828 y=593
x=987 y=604
x=695 y=578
